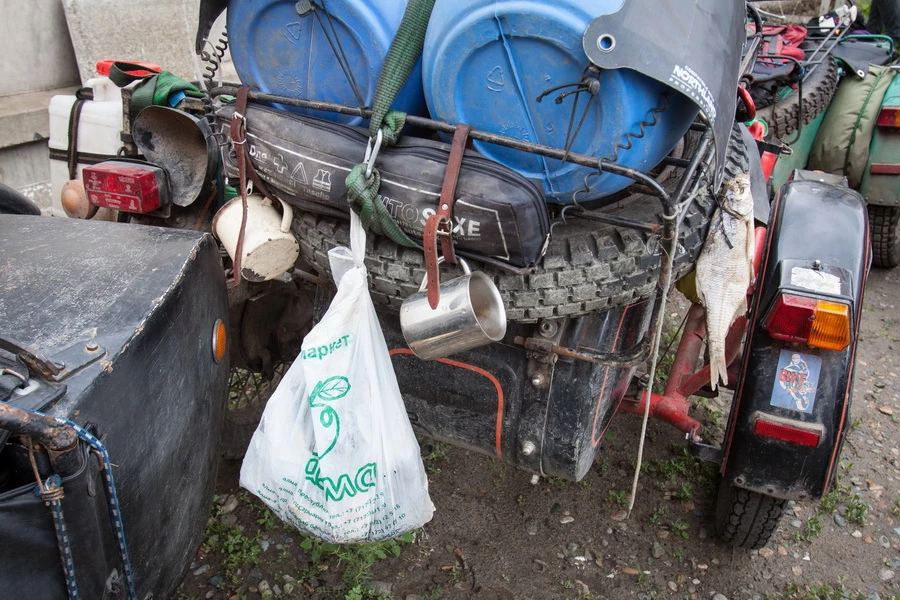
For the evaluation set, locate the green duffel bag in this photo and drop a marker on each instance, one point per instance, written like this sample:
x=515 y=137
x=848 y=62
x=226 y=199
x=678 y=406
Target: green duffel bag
x=842 y=143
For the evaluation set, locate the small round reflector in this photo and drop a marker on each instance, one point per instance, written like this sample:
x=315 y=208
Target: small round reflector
x=219 y=340
x=75 y=202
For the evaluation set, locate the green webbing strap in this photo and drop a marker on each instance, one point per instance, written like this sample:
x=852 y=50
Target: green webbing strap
x=362 y=193
x=155 y=89
x=400 y=61
x=362 y=190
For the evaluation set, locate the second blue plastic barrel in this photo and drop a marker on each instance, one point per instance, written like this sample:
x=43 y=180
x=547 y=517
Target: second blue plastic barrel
x=486 y=61
x=278 y=50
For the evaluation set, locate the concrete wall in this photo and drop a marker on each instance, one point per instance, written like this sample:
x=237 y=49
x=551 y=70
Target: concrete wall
x=50 y=47
x=35 y=46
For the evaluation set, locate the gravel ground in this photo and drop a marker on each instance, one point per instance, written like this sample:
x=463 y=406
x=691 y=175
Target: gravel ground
x=495 y=535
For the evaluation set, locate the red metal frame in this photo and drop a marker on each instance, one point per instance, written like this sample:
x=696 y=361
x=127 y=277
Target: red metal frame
x=689 y=373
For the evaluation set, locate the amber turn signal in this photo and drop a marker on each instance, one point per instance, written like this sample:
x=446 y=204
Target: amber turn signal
x=219 y=340
x=831 y=326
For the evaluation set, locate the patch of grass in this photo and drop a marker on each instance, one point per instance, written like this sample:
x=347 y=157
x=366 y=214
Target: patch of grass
x=830 y=502
x=809 y=530
x=642 y=575
x=856 y=510
x=685 y=491
x=359 y=592
x=267 y=519
x=685 y=466
x=677 y=555
x=680 y=528
x=438 y=452
x=618 y=498
x=895 y=507
x=818 y=591
x=434 y=594
x=667 y=359
x=355 y=559
x=238 y=551
x=657 y=515
x=435 y=457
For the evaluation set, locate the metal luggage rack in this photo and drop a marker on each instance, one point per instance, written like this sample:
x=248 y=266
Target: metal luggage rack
x=674 y=205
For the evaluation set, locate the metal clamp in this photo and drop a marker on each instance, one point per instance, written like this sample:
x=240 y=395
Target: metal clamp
x=372 y=152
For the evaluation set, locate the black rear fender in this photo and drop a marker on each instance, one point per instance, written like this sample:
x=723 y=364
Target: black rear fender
x=817 y=247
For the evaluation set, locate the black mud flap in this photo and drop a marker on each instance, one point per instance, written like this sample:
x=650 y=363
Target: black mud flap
x=817 y=246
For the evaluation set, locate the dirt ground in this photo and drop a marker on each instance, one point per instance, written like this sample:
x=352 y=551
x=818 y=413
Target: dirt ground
x=496 y=536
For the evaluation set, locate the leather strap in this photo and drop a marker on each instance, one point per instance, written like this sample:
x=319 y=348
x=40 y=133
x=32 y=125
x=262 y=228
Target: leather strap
x=239 y=139
x=81 y=96
x=441 y=223
x=448 y=190
x=240 y=108
x=245 y=168
x=432 y=273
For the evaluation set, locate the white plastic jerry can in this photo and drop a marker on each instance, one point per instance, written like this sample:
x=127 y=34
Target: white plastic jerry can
x=99 y=129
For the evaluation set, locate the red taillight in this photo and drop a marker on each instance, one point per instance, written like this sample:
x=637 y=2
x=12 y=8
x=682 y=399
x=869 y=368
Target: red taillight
x=889 y=117
x=791 y=318
x=131 y=187
x=817 y=322
x=786 y=433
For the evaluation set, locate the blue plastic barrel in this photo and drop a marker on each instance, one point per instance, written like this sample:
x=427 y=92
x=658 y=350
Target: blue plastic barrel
x=486 y=61
x=278 y=50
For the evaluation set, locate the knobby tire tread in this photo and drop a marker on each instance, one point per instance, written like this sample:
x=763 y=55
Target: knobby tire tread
x=884 y=222
x=817 y=93
x=588 y=266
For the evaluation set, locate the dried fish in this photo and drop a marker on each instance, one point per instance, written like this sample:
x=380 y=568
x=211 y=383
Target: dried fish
x=725 y=269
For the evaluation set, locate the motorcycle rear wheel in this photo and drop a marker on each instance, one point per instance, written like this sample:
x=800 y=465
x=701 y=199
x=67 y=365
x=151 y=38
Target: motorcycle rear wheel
x=745 y=518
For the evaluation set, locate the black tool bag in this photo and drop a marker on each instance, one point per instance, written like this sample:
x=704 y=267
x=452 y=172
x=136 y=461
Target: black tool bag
x=498 y=213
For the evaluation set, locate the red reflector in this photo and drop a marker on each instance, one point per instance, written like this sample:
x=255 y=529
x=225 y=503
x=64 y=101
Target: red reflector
x=786 y=433
x=791 y=318
x=884 y=169
x=126 y=186
x=889 y=117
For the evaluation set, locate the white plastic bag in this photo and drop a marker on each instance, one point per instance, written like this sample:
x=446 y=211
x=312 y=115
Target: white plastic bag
x=334 y=454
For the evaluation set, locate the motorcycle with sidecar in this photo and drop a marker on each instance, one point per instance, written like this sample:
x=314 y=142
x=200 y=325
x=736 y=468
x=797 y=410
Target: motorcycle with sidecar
x=580 y=173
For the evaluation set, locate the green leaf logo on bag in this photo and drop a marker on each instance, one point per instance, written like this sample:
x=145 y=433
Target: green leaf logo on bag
x=335 y=388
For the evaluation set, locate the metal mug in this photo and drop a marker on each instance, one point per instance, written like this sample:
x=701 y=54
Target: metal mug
x=470 y=314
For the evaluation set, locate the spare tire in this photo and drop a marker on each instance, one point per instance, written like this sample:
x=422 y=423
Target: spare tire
x=817 y=91
x=588 y=265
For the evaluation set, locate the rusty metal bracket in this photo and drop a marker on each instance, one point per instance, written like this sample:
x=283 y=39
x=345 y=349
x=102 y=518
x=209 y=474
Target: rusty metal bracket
x=60 y=365
x=75 y=358
x=547 y=351
x=46 y=430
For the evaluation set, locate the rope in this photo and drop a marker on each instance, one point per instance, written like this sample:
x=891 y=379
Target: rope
x=657 y=337
x=115 y=513
x=51 y=492
x=339 y=53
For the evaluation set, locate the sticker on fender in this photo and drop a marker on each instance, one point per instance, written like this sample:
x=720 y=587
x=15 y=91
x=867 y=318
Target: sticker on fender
x=796 y=381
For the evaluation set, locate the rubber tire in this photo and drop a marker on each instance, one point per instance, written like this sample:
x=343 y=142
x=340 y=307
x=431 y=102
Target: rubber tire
x=744 y=518
x=13 y=202
x=817 y=93
x=885 y=224
x=587 y=267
